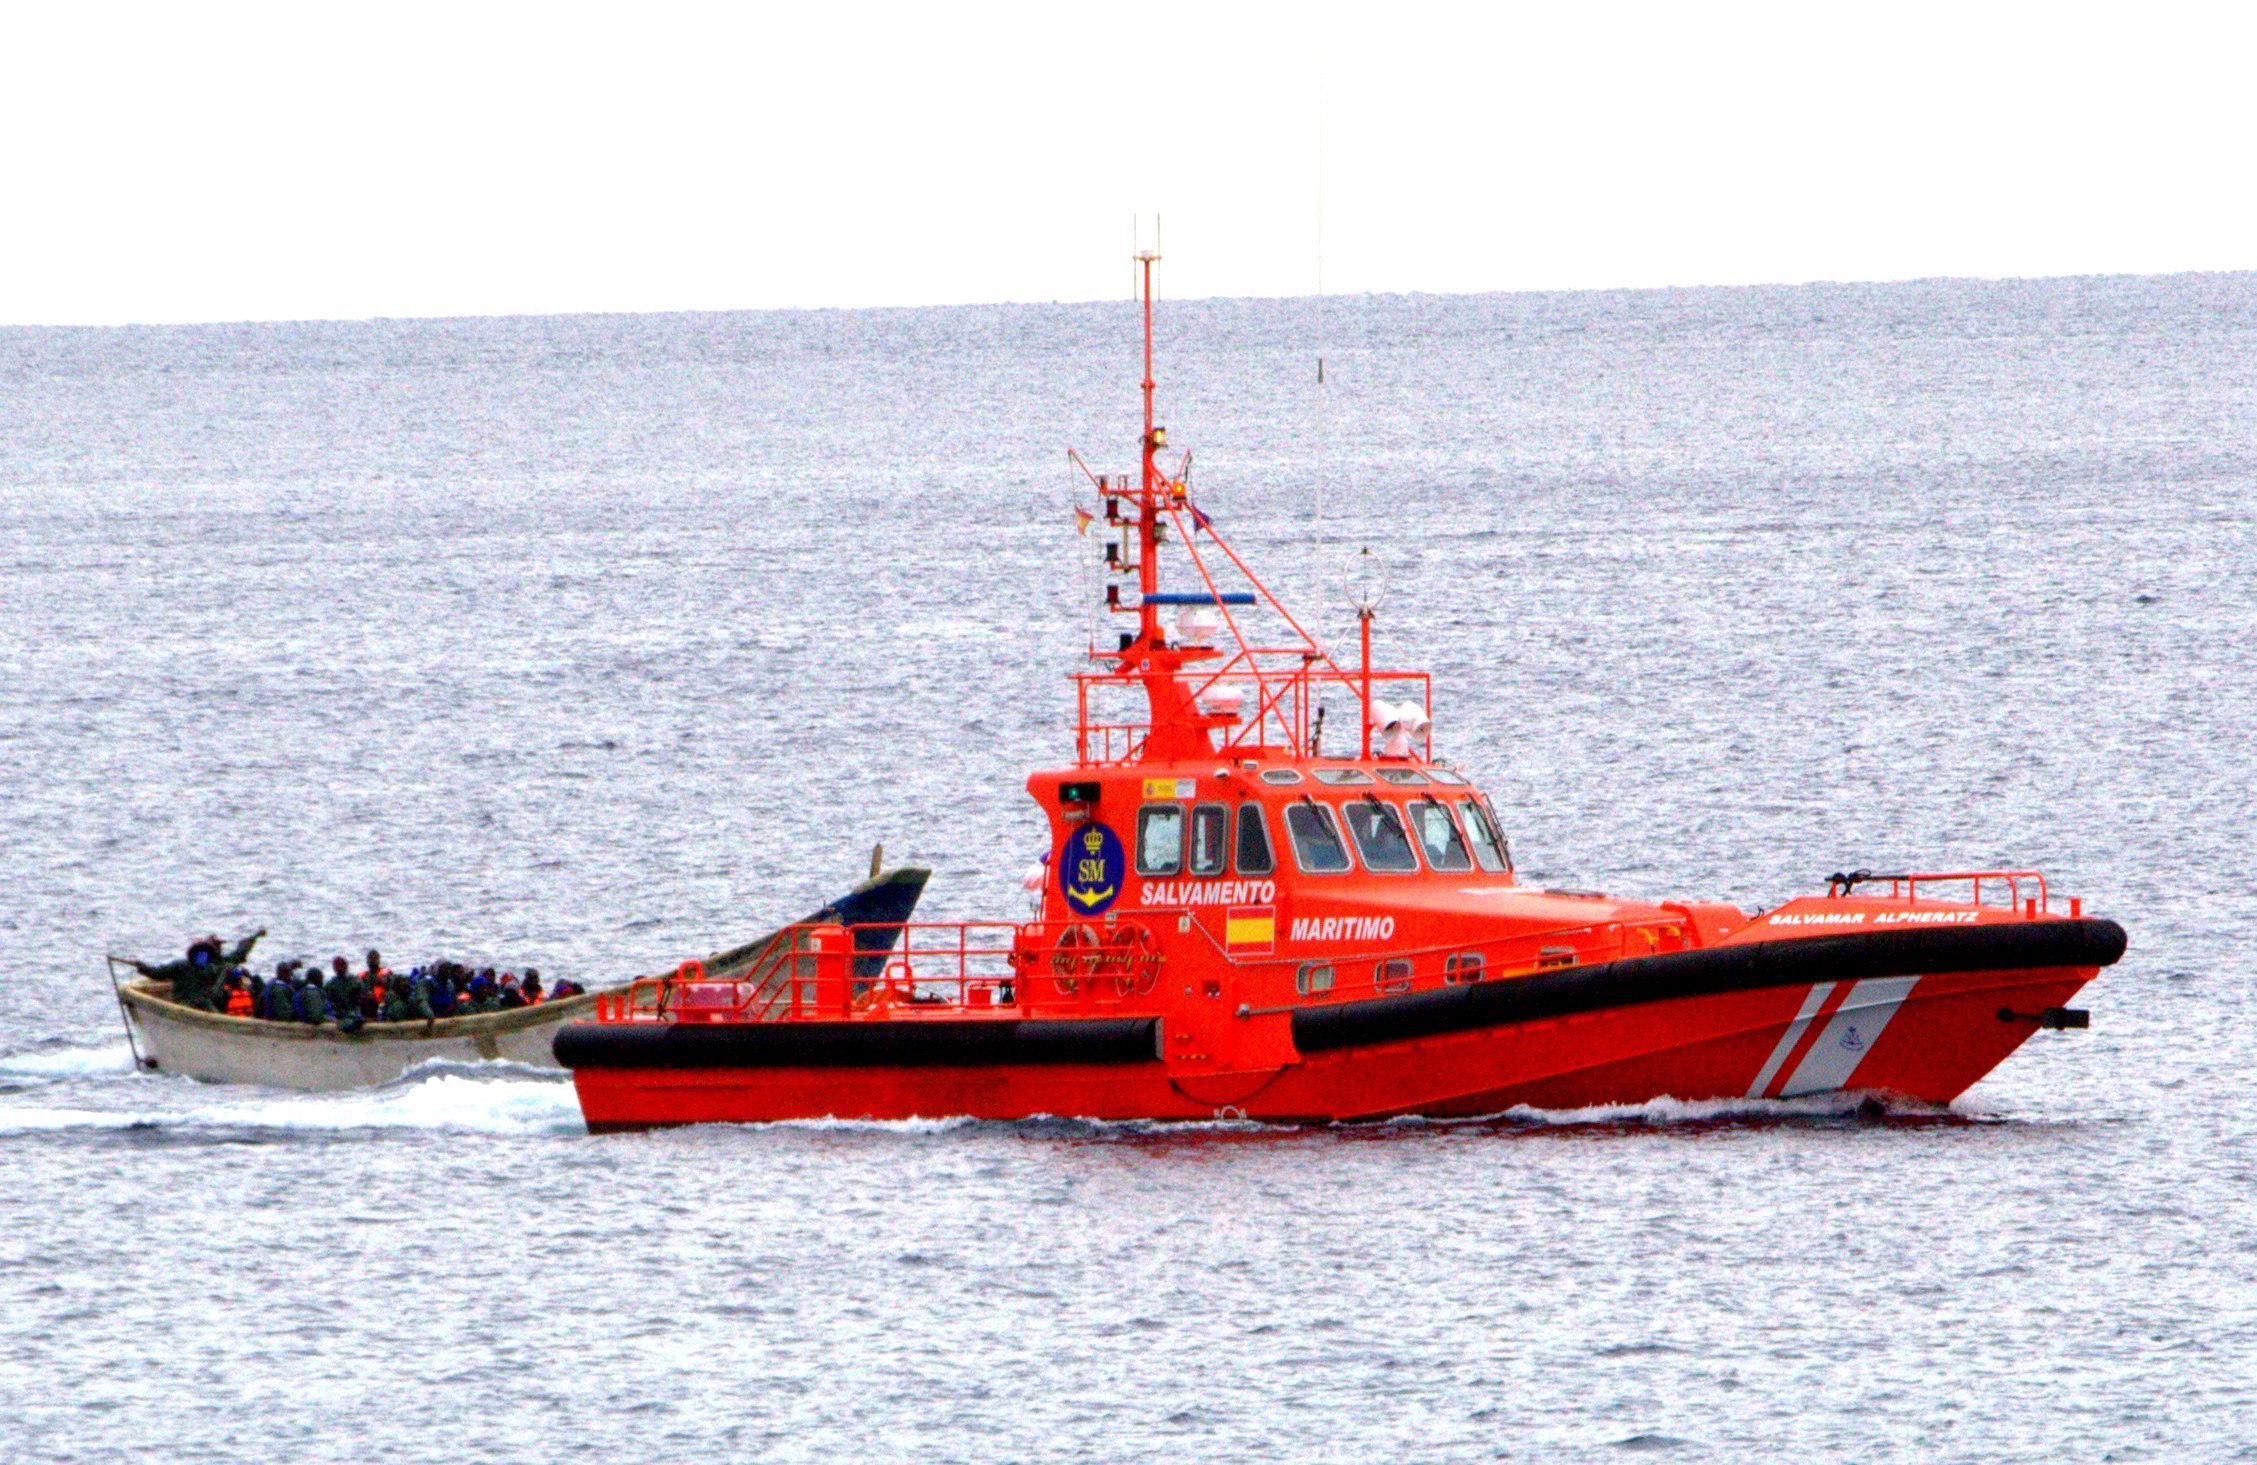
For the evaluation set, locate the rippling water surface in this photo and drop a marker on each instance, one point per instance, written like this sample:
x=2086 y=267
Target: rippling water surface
x=594 y=642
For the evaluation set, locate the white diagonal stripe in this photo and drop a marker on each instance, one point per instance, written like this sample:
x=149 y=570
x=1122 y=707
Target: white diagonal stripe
x=1850 y=1034
x=1792 y=1036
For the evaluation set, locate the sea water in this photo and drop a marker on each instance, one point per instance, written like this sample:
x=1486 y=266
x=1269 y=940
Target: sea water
x=597 y=642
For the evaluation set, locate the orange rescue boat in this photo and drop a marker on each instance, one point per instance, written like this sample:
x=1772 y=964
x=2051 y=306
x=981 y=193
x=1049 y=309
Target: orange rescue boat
x=1235 y=922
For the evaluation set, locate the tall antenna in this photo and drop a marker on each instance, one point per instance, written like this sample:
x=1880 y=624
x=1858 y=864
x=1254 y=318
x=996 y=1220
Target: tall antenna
x=1316 y=507
x=1137 y=251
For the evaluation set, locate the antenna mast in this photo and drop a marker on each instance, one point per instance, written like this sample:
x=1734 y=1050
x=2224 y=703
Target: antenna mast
x=1155 y=438
x=1211 y=685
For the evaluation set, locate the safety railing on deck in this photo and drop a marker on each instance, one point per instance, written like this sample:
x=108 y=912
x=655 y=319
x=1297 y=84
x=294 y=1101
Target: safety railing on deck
x=1394 y=971
x=1265 y=697
x=925 y=968
x=983 y=968
x=2024 y=890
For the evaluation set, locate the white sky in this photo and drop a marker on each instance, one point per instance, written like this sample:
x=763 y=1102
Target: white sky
x=201 y=162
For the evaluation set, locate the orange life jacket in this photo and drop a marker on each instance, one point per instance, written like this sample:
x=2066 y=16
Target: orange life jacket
x=239 y=1002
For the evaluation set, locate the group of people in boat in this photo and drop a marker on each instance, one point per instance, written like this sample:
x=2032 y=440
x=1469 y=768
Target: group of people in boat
x=213 y=977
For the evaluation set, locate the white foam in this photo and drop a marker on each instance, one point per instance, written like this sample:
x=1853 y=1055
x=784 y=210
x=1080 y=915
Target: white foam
x=446 y=1102
x=484 y=1070
x=27 y=1119
x=56 y=1063
x=873 y=1126
x=513 y=1099
x=1062 y=1123
x=1667 y=1110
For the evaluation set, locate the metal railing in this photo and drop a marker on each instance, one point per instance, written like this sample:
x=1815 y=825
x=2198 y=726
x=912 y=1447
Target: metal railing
x=975 y=968
x=1280 y=710
x=934 y=968
x=2025 y=890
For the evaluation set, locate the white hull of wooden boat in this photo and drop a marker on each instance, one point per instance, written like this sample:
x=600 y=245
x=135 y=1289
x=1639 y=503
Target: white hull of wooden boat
x=287 y=1055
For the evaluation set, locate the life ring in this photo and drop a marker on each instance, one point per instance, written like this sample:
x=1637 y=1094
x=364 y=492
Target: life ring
x=1131 y=959
x=669 y=988
x=894 y=986
x=1078 y=952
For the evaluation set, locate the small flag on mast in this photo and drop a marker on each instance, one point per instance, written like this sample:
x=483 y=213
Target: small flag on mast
x=1083 y=518
x=1200 y=519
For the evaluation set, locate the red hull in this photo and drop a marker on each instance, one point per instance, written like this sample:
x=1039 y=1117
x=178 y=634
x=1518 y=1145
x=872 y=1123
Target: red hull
x=1926 y=1039
x=1232 y=921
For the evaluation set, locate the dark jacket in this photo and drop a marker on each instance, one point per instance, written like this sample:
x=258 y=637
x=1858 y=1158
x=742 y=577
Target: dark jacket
x=344 y=994
x=307 y=1005
x=276 y=1003
x=192 y=981
x=197 y=983
x=407 y=999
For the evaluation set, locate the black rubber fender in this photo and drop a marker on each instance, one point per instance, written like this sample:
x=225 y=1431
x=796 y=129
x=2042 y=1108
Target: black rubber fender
x=941 y=1043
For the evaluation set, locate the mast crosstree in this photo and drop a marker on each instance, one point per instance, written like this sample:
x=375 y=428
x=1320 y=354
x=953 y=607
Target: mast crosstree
x=1219 y=684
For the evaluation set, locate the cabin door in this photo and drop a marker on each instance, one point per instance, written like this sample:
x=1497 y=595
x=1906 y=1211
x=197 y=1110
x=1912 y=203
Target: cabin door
x=1219 y=1051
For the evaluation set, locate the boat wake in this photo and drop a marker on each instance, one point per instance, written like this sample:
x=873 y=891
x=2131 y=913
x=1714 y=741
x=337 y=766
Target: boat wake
x=500 y=1098
x=55 y=1062
x=1657 y=1114
x=507 y=1102
x=1666 y=1112
x=1038 y=1126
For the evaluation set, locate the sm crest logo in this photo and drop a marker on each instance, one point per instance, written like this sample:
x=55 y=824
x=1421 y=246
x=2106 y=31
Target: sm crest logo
x=1089 y=874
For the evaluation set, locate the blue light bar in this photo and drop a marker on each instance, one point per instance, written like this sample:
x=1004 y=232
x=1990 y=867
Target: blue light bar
x=1199 y=597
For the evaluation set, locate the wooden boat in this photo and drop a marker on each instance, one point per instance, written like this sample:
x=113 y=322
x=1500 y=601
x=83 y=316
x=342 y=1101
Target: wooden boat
x=172 y=1038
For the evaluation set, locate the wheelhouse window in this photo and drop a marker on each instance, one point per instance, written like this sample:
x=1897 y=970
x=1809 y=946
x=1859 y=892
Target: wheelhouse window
x=1444 y=775
x=1464 y=966
x=1380 y=838
x=1392 y=975
x=1316 y=839
x=1314 y=976
x=1281 y=775
x=1210 y=835
x=1488 y=849
x=1159 y=839
x=1438 y=836
x=1342 y=777
x=1406 y=776
x=1255 y=856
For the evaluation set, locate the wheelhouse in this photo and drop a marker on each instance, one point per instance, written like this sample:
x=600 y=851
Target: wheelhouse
x=1277 y=822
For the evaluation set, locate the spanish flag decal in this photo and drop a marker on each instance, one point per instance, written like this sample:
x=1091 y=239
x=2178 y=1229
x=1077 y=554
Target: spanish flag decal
x=1251 y=929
